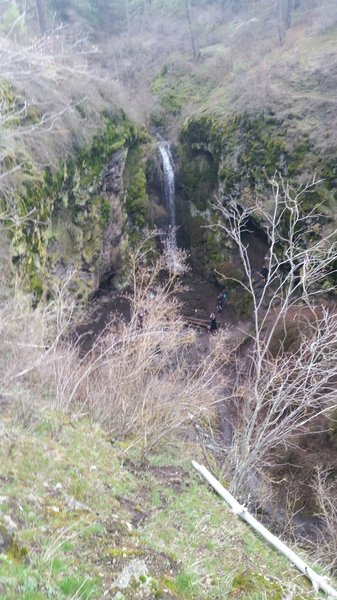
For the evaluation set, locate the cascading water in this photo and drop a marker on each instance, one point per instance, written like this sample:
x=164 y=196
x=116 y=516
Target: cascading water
x=169 y=195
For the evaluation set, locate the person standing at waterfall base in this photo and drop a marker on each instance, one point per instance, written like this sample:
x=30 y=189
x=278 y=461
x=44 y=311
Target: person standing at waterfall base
x=213 y=324
x=140 y=320
x=264 y=274
x=221 y=300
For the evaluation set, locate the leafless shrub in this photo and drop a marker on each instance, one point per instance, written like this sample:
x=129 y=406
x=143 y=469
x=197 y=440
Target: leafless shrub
x=324 y=485
x=34 y=356
x=44 y=97
x=143 y=379
x=281 y=388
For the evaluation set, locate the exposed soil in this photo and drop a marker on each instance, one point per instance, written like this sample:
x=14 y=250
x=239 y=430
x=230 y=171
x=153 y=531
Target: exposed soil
x=198 y=299
x=173 y=477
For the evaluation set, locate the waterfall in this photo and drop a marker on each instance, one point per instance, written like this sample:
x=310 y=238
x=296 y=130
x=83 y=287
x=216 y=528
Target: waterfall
x=169 y=195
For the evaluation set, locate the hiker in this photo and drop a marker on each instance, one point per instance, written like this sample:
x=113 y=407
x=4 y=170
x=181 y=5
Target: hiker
x=140 y=320
x=264 y=274
x=222 y=297
x=213 y=324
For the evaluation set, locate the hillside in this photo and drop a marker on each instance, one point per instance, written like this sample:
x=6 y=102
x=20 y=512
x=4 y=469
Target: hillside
x=110 y=382
x=82 y=518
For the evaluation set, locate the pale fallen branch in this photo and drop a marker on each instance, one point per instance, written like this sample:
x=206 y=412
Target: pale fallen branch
x=317 y=581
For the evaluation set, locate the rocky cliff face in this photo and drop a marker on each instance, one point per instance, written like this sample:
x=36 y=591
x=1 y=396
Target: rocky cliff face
x=90 y=211
x=87 y=236
x=114 y=236
x=84 y=213
x=235 y=158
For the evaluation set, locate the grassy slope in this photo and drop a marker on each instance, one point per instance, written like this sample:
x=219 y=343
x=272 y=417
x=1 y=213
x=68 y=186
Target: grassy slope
x=242 y=68
x=192 y=546
x=161 y=516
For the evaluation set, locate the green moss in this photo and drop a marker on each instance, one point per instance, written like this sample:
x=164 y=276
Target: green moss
x=243 y=153
x=36 y=285
x=207 y=253
x=328 y=171
x=198 y=238
x=33 y=115
x=176 y=87
x=123 y=552
x=198 y=177
x=248 y=148
x=157 y=119
x=11 y=546
x=136 y=198
x=105 y=212
x=7 y=96
x=250 y=584
x=65 y=207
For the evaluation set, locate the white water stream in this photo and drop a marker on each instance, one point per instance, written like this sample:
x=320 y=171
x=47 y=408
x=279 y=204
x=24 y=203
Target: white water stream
x=170 y=198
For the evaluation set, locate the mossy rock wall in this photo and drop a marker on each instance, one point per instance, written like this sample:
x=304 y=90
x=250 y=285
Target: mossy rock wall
x=235 y=158
x=83 y=213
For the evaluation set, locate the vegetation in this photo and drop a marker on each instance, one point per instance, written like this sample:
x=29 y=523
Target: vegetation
x=88 y=510
x=91 y=509
x=96 y=485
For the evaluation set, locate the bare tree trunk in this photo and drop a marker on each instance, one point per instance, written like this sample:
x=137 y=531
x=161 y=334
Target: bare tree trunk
x=284 y=17
x=193 y=42
x=288 y=14
x=127 y=12
x=41 y=16
x=145 y=12
x=281 y=28
x=317 y=581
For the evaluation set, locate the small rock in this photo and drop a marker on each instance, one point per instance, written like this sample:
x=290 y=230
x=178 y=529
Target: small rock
x=128 y=526
x=10 y=524
x=75 y=505
x=6 y=539
x=34 y=499
x=134 y=570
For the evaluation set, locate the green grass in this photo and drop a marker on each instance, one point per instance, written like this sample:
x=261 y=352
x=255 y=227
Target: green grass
x=192 y=545
x=78 y=587
x=186 y=585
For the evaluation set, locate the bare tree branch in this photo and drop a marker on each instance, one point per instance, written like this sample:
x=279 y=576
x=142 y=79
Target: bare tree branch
x=281 y=388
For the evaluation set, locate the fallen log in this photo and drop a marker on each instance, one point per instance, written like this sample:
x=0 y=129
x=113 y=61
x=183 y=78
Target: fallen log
x=317 y=581
x=196 y=322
